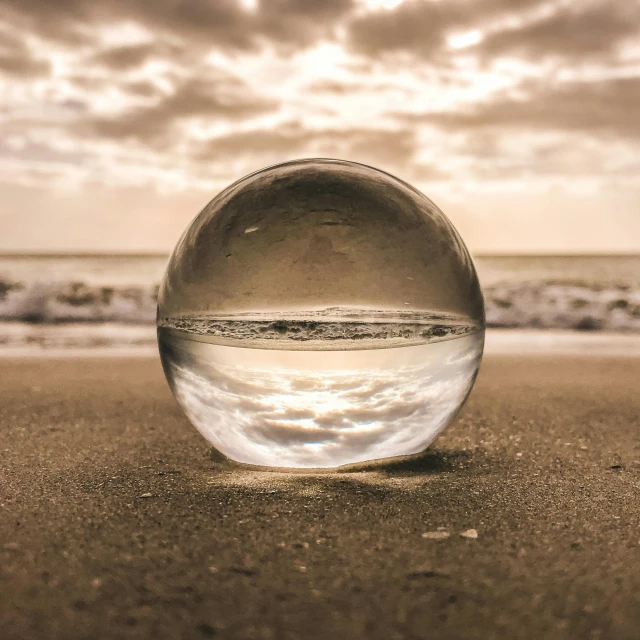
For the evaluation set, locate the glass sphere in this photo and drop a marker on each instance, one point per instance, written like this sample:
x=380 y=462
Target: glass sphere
x=319 y=313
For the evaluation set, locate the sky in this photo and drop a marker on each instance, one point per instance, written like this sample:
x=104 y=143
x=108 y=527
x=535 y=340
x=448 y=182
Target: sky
x=121 y=119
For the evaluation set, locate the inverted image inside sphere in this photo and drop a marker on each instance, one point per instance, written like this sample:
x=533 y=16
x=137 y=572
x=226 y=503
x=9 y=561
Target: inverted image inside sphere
x=317 y=234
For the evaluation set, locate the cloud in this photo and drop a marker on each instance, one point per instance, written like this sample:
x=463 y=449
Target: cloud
x=421 y=28
x=213 y=97
x=17 y=59
x=607 y=107
x=142 y=89
x=417 y=27
x=526 y=28
x=203 y=23
x=577 y=30
x=387 y=149
x=126 y=57
x=379 y=146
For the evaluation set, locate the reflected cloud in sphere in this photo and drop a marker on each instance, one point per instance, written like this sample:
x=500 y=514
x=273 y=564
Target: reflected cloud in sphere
x=321 y=408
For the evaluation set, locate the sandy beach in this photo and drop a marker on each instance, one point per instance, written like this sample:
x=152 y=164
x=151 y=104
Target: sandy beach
x=117 y=520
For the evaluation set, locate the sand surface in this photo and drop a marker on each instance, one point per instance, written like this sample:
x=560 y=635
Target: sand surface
x=117 y=522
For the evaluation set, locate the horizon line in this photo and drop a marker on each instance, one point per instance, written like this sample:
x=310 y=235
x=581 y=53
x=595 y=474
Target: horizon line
x=166 y=254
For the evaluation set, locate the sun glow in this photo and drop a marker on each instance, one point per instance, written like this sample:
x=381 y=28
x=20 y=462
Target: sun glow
x=250 y=6
x=374 y=5
x=464 y=40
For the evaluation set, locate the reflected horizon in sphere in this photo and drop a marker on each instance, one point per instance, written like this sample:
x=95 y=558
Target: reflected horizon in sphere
x=320 y=313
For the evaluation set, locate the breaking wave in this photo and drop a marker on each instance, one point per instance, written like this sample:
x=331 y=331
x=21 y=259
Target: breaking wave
x=557 y=304
x=561 y=304
x=52 y=302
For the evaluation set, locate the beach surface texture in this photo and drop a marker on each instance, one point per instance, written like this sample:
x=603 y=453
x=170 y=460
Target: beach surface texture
x=522 y=520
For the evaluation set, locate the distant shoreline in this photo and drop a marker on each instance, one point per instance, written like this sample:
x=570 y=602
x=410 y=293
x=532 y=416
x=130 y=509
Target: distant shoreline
x=161 y=254
x=87 y=254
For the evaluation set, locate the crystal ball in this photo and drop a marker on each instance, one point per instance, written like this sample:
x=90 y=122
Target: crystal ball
x=319 y=313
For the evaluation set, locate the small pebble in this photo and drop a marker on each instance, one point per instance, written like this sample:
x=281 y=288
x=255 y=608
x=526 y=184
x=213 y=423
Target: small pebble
x=472 y=534
x=300 y=545
x=145 y=495
x=436 y=535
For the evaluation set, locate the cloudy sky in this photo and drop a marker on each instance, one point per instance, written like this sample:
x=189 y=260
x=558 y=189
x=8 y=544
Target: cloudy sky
x=120 y=119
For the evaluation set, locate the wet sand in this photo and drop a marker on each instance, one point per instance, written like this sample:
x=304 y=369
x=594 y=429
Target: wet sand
x=116 y=521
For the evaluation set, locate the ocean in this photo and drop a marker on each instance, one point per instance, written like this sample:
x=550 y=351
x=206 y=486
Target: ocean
x=107 y=300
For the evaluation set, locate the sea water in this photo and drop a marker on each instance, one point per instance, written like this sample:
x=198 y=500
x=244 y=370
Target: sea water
x=320 y=392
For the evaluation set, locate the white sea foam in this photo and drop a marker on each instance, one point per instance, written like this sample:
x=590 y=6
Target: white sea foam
x=563 y=305
x=44 y=301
